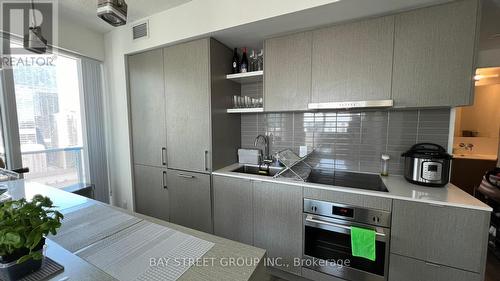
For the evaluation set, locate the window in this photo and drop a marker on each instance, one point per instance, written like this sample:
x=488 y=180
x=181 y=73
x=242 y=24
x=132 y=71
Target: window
x=50 y=121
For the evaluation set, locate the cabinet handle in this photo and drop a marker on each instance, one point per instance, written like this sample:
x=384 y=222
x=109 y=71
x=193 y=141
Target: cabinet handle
x=164 y=180
x=186 y=176
x=163 y=152
x=206 y=160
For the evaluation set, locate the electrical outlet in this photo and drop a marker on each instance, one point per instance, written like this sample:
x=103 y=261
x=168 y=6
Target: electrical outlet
x=124 y=204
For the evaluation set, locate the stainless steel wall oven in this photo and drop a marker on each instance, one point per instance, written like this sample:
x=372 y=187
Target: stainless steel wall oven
x=327 y=240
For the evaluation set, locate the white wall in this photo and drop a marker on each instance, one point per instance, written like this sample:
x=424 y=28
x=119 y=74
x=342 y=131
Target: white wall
x=81 y=40
x=196 y=19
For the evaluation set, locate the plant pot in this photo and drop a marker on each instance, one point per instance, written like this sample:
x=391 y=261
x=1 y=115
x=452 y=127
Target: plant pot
x=10 y=270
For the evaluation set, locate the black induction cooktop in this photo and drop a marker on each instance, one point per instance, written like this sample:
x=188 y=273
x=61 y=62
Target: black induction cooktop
x=348 y=179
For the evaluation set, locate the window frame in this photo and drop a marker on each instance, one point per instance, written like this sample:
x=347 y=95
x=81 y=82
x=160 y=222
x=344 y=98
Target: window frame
x=9 y=118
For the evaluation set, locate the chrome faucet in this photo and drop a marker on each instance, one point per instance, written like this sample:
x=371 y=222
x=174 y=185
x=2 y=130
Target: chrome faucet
x=265 y=142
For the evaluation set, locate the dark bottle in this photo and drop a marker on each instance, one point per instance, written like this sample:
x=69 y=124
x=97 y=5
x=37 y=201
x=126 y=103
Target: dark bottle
x=244 y=61
x=236 y=61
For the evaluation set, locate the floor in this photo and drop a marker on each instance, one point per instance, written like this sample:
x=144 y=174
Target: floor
x=492 y=268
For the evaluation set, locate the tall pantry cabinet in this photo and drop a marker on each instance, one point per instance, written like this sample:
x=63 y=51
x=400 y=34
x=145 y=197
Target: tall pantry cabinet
x=194 y=98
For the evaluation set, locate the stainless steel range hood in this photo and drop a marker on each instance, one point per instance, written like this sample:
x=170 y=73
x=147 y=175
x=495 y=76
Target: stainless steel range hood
x=351 y=104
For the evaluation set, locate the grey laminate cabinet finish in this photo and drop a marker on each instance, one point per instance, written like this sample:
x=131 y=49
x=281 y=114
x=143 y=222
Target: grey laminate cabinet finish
x=353 y=61
x=408 y=269
x=233 y=203
x=187 y=87
x=190 y=199
x=147 y=106
x=277 y=210
x=366 y=201
x=443 y=235
x=151 y=195
x=287 y=77
x=434 y=55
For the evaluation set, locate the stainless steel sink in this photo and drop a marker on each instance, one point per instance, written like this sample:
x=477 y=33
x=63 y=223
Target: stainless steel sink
x=258 y=170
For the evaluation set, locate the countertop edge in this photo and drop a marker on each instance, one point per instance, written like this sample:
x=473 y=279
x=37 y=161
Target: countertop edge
x=226 y=172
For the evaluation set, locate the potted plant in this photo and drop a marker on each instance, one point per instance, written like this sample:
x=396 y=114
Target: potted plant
x=23 y=228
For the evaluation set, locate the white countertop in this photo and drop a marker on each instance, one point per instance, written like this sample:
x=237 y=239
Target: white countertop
x=398 y=187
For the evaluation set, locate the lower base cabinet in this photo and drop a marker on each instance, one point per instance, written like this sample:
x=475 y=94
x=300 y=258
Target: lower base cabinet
x=233 y=211
x=277 y=210
x=266 y=215
x=190 y=199
x=407 y=269
x=151 y=194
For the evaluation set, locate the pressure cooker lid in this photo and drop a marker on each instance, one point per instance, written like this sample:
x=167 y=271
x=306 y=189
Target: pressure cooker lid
x=427 y=150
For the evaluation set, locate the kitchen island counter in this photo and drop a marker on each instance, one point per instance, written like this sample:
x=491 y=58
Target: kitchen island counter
x=220 y=254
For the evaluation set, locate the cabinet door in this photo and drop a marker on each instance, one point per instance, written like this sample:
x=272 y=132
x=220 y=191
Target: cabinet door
x=188 y=105
x=233 y=216
x=190 y=199
x=147 y=107
x=450 y=236
x=434 y=55
x=151 y=193
x=408 y=269
x=278 y=222
x=353 y=62
x=288 y=72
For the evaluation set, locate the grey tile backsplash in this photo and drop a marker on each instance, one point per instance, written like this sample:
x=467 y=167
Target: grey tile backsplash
x=349 y=140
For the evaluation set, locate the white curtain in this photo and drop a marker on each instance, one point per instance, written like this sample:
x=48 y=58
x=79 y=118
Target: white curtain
x=92 y=86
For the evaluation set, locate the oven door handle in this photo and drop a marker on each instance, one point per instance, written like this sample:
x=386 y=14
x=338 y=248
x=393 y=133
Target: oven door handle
x=313 y=220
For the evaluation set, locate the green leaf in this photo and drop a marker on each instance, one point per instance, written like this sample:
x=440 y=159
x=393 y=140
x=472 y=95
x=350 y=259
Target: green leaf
x=23 y=259
x=12 y=239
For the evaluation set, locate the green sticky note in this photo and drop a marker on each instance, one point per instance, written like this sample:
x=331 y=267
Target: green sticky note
x=363 y=243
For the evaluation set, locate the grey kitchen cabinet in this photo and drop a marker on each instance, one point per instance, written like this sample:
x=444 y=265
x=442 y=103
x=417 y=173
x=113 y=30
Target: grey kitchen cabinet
x=434 y=50
x=147 y=107
x=287 y=77
x=187 y=87
x=277 y=211
x=151 y=193
x=233 y=203
x=197 y=95
x=190 y=199
x=408 y=269
x=353 y=61
x=435 y=234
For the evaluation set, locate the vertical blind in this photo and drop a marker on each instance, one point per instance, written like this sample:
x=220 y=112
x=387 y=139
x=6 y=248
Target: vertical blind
x=92 y=86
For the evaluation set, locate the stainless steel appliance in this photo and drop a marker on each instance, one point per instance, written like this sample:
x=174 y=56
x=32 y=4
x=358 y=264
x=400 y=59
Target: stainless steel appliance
x=427 y=164
x=327 y=240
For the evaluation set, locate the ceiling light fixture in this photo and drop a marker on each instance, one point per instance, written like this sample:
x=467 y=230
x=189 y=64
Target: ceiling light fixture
x=33 y=40
x=113 y=12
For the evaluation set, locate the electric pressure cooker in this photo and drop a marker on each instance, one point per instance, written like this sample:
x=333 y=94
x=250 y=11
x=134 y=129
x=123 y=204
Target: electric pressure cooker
x=427 y=164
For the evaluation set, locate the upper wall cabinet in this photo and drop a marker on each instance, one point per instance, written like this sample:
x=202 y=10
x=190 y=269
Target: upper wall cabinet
x=147 y=108
x=287 y=81
x=434 y=55
x=353 y=62
x=187 y=87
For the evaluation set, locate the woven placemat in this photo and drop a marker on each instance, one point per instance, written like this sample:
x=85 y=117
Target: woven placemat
x=49 y=268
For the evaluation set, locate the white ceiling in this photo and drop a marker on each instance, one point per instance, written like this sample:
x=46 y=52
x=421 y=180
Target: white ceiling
x=84 y=11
